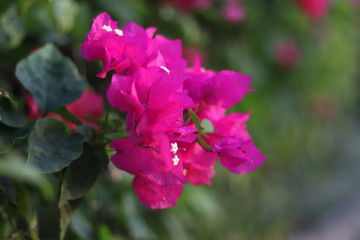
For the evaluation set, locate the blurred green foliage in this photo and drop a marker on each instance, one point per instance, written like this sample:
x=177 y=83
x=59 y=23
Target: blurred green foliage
x=304 y=118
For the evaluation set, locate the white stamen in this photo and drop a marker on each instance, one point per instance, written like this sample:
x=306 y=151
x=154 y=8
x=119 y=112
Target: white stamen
x=165 y=69
x=174 y=148
x=107 y=28
x=176 y=160
x=185 y=172
x=119 y=32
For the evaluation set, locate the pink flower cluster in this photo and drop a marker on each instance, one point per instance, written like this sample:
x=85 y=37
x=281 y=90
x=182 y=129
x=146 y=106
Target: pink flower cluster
x=314 y=9
x=189 y=5
x=89 y=104
x=168 y=107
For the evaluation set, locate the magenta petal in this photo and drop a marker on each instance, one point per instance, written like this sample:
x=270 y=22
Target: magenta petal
x=226 y=88
x=198 y=164
x=233 y=125
x=239 y=157
x=98 y=23
x=122 y=94
x=134 y=34
x=154 y=195
x=89 y=104
x=153 y=160
x=182 y=134
x=198 y=176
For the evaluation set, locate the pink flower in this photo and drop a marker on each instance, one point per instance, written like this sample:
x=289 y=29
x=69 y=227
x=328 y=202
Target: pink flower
x=33 y=109
x=198 y=164
x=154 y=195
x=314 y=9
x=189 y=5
x=153 y=85
x=233 y=125
x=153 y=97
x=233 y=12
x=286 y=53
x=151 y=157
x=213 y=95
x=238 y=156
x=125 y=50
x=89 y=104
x=226 y=88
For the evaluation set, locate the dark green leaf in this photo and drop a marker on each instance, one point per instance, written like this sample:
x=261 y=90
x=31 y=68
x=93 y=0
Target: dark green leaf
x=9 y=113
x=66 y=211
x=52 y=78
x=9 y=134
x=88 y=131
x=7 y=186
x=73 y=186
x=50 y=148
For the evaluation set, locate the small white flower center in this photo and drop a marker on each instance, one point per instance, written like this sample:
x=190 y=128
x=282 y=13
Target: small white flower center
x=185 y=172
x=174 y=148
x=165 y=69
x=107 y=28
x=119 y=32
x=175 y=160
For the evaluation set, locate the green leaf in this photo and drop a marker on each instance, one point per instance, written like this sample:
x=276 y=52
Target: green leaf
x=7 y=186
x=52 y=78
x=50 y=148
x=65 y=13
x=73 y=186
x=207 y=126
x=8 y=135
x=12 y=31
x=14 y=168
x=66 y=212
x=104 y=232
x=88 y=131
x=9 y=113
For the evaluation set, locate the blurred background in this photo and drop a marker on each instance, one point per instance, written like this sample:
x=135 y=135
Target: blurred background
x=303 y=56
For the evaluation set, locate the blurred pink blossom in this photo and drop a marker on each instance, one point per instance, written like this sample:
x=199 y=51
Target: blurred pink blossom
x=314 y=9
x=89 y=104
x=286 y=53
x=189 y=5
x=233 y=12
